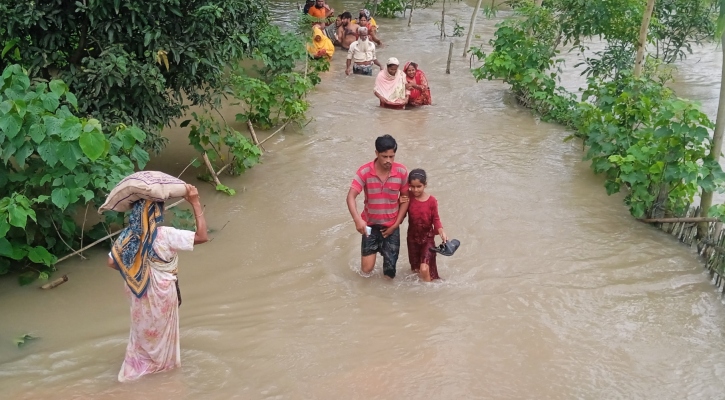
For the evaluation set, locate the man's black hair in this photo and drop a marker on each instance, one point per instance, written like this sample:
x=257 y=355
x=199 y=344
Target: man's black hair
x=385 y=143
x=346 y=14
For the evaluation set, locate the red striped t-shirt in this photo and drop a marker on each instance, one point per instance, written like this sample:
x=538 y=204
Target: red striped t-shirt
x=381 y=198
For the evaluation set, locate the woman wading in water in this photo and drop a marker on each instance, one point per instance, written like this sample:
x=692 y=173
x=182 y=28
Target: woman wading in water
x=417 y=84
x=146 y=255
x=390 y=86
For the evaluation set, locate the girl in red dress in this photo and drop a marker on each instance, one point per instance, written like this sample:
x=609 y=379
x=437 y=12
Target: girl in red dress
x=423 y=225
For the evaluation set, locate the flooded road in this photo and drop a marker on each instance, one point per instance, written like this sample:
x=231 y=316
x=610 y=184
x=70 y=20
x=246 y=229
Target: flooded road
x=555 y=293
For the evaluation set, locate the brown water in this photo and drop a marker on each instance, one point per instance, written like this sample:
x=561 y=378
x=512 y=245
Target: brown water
x=556 y=292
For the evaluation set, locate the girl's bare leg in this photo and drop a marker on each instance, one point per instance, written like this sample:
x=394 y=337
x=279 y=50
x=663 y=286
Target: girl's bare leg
x=425 y=272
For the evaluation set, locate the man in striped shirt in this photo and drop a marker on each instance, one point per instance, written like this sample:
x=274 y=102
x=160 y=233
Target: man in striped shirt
x=383 y=181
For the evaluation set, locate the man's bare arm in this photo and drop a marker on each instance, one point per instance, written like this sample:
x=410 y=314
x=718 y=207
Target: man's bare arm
x=352 y=207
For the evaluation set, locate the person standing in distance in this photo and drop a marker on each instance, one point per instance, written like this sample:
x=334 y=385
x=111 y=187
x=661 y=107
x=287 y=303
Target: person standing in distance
x=383 y=181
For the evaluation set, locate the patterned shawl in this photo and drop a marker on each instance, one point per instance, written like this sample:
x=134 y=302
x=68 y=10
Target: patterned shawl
x=133 y=248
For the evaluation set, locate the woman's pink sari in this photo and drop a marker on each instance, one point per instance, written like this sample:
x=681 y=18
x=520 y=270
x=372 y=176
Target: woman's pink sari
x=153 y=344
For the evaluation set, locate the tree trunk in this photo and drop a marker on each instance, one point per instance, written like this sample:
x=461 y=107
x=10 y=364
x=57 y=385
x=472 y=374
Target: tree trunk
x=211 y=169
x=410 y=18
x=716 y=148
x=471 y=26
x=443 y=20
x=77 y=56
x=642 y=42
x=450 y=55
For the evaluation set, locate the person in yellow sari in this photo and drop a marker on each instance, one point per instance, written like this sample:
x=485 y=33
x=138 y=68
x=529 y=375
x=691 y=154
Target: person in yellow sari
x=321 y=46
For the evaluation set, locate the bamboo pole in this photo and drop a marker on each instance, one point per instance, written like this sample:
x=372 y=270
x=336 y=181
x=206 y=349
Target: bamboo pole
x=412 y=7
x=642 y=42
x=471 y=26
x=717 y=136
x=254 y=135
x=677 y=220
x=223 y=168
x=443 y=20
x=274 y=133
x=450 y=54
x=211 y=169
x=55 y=283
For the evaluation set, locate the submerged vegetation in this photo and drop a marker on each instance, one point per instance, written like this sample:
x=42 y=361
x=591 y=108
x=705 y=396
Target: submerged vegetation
x=639 y=134
x=88 y=87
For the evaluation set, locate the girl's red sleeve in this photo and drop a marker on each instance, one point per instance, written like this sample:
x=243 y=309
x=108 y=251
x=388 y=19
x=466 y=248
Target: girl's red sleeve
x=434 y=212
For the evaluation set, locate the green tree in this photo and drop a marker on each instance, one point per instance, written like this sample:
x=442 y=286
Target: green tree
x=678 y=24
x=53 y=163
x=133 y=61
x=646 y=141
x=717 y=140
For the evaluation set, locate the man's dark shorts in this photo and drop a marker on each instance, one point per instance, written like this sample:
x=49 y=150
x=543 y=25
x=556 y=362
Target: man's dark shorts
x=388 y=247
x=361 y=69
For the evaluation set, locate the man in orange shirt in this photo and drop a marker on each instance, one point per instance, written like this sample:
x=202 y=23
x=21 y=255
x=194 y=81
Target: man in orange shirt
x=320 y=10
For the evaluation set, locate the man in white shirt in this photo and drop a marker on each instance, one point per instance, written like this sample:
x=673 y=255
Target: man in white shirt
x=361 y=55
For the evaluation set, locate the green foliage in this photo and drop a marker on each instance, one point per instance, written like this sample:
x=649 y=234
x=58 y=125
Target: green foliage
x=613 y=62
x=391 y=8
x=52 y=163
x=223 y=145
x=678 y=24
x=609 y=20
x=675 y=26
x=521 y=59
x=387 y=8
x=133 y=61
x=182 y=219
x=279 y=51
x=457 y=29
x=226 y=189
x=278 y=95
x=717 y=211
x=20 y=340
x=640 y=135
x=645 y=139
x=270 y=103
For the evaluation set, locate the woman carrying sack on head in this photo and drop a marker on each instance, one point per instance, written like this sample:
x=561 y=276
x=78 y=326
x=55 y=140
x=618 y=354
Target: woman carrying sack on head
x=146 y=256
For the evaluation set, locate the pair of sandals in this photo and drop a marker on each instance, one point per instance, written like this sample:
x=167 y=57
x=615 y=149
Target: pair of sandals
x=447 y=248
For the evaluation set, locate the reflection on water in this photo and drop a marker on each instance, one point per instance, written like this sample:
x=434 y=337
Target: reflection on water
x=555 y=293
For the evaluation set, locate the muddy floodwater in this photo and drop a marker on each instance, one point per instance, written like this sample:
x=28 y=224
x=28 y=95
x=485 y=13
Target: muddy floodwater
x=555 y=293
